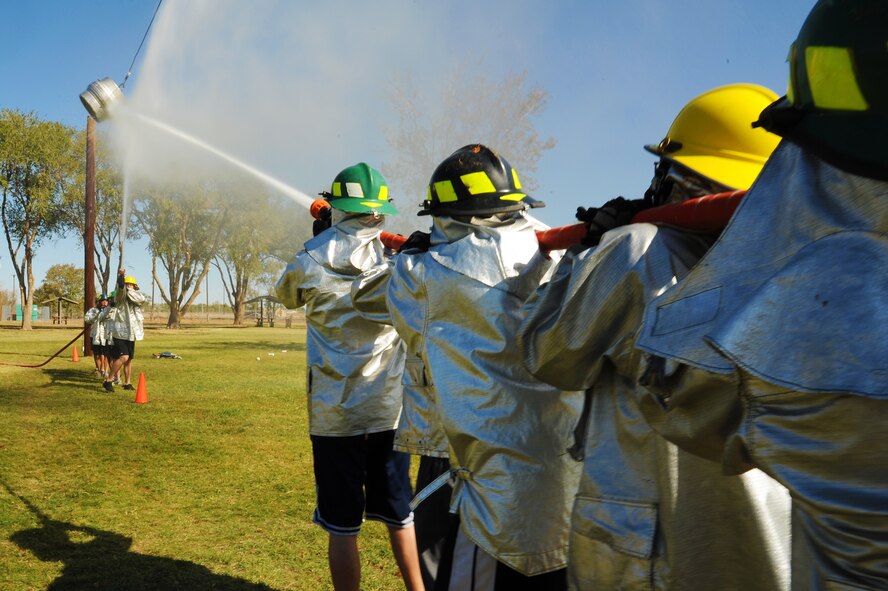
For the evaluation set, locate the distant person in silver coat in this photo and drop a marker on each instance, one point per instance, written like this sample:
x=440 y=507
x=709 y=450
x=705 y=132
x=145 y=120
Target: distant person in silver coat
x=772 y=352
x=127 y=328
x=354 y=381
x=648 y=516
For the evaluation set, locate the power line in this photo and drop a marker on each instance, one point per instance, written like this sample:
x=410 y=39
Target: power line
x=129 y=71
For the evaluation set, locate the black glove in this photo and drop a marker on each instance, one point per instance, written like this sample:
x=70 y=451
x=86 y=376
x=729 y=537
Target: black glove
x=120 y=283
x=319 y=226
x=417 y=241
x=613 y=214
x=323 y=222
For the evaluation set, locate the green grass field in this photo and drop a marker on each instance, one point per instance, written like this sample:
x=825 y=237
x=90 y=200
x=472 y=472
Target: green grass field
x=208 y=486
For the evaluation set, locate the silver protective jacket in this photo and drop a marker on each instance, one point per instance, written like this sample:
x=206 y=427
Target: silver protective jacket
x=772 y=353
x=647 y=515
x=419 y=430
x=100 y=326
x=128 y=323
x=461 y=303
x=354 y=365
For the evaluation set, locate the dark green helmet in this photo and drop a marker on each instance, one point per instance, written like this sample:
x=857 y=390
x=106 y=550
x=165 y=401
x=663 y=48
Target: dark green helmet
x=837 y=102
x=475 y=180
x=360 y=189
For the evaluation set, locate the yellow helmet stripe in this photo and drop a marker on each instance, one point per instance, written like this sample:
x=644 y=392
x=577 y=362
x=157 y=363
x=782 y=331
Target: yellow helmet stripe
x=832 y=79
x=372 y=204
x=337 y=189
x=383 y=193
x=515 y=179
x=445 y=191
x=513 y=197
x=478 y=183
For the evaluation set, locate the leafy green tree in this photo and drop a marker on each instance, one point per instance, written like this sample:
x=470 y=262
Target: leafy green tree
x=63 y=281
x=462 y=109
x=254 y=239
x=184 y=226
x=37 y=167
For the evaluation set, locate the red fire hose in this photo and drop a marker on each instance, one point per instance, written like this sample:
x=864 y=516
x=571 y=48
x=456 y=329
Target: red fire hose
x=709 y=213
x=56 y=354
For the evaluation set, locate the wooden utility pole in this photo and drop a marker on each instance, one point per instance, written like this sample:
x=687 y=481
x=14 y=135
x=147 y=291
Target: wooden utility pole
x=89 y=232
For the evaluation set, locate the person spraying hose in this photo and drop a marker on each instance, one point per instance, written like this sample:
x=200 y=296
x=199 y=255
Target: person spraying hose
x=128 y=326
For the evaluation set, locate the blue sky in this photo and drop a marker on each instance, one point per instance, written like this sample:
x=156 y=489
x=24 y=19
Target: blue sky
x=616 y=74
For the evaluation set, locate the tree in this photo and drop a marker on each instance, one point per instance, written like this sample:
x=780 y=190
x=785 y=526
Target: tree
x=62 y=281
x=184 y=226
x=464 y=109
x=37 y=167
x=109 y=205
x=254 y=239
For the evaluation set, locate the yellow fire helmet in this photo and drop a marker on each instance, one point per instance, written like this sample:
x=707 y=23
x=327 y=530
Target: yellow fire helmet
x=130 y=279
x=713 y=135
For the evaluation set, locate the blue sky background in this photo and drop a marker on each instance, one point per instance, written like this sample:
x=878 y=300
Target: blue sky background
x=298 y=89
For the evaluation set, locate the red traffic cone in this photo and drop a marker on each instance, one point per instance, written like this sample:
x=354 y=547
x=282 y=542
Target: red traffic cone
x=141 y=391
x=75 y=357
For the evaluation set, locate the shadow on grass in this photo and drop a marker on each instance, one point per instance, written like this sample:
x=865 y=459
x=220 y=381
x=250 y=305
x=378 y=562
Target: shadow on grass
x=71 y=377
x=97 y=559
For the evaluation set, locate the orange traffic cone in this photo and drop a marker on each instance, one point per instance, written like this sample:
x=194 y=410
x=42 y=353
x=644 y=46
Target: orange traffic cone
x=141 y=391
x=76 y=356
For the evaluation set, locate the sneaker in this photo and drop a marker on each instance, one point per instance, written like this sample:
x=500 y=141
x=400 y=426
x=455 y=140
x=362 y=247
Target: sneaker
x=108 y=386
x=128 y=387
x=116 y=381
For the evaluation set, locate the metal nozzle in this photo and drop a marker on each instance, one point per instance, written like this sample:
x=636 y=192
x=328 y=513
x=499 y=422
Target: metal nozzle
x=99 y=97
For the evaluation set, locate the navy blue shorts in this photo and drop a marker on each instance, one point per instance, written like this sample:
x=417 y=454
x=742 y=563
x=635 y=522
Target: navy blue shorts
x=360 y=475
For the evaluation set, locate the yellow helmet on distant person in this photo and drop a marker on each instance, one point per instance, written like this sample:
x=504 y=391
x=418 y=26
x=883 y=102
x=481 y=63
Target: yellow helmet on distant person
x=713 y=135
x=130 y=279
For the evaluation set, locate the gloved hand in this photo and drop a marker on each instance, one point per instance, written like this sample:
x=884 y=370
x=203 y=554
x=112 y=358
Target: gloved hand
x=613 y=214
x=419 y=240
x=323 y=222
x=120 y=276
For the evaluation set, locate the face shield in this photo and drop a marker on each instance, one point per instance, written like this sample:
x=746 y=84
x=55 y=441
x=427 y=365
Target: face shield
x=675 y=183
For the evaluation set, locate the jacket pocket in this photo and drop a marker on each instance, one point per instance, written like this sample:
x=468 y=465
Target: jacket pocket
x=414 y=372
x=626 y=526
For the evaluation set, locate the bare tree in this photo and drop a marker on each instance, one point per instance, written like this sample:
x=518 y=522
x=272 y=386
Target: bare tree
x=463 y=109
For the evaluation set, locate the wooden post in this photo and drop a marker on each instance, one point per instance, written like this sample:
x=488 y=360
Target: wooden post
x=89 y=231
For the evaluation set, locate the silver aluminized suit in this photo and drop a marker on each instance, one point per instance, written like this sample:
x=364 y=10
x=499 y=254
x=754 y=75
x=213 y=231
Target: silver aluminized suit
x=647 y=515
x=128 y=321
x=459 y=306
x=354 y=365
x=100 y=326
x=772 y=353
x=419 y=430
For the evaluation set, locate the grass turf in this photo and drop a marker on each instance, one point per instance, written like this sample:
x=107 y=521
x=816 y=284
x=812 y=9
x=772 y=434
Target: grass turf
x=208 y=486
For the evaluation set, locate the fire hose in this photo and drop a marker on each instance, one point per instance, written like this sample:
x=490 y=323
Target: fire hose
x=56 y=354
x=709 y=213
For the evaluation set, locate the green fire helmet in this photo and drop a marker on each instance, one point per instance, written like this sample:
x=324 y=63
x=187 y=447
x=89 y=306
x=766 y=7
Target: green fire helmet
x=475 y=180
x=837 y=102
x=360 y=189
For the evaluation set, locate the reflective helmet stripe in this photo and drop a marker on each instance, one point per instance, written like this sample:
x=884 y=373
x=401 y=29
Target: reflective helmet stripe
x=383 y=193
x=832 y=79
x=337 y=189
x=445 y=191
x=354 y=190
x=478 y=183
x=515 y=179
